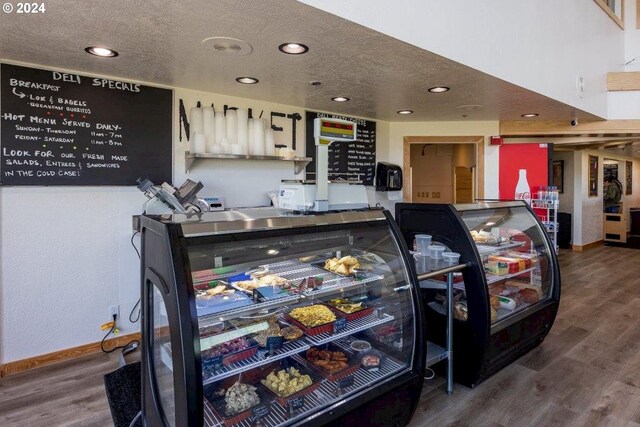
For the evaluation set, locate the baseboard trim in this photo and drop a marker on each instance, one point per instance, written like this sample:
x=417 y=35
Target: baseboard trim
x=592 y=245
x=14 y=367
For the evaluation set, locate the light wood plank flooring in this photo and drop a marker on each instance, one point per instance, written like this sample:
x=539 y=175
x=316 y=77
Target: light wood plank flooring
x=587 y=371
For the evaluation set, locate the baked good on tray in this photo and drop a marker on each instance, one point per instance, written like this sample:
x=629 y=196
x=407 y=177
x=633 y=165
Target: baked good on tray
x=291 y=333
x=345 y=305
x=267 y=280
x=343 y=266
x=530 y=296
x=272 y=331
x=494 y=301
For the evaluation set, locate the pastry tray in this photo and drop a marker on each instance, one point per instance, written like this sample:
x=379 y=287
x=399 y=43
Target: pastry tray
x=356 y=273
x=220 y=303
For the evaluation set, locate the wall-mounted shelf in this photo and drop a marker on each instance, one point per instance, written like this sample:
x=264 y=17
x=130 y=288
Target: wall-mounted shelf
x=299 y=163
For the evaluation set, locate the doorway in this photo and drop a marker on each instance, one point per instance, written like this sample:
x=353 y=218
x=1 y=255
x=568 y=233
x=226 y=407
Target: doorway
x=610 y=178
x=443 y=169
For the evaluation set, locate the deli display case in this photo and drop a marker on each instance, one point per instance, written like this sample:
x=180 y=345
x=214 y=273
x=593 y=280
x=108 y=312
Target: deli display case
x=505 y=303
x=258 y=317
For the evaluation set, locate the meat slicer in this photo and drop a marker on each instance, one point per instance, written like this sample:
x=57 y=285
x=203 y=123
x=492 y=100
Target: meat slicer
x=167 y=199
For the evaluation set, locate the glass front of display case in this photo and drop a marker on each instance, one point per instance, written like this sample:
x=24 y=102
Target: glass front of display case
x=293 y=321
x=515 y=255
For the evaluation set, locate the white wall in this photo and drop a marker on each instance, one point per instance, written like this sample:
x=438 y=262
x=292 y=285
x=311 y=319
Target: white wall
x=65 y=252
x=625 y=105
x=588 y=211
x=566 y=198
x=579 y=185
x=241 y=182
x=540 y=45
x=397 y=131
x=631 y=36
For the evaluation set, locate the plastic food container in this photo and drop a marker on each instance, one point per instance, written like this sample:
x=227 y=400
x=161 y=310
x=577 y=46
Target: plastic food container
x=423 y=241
x=368 y=360
x=452 y=258
x=435 y=252
x=360 y=346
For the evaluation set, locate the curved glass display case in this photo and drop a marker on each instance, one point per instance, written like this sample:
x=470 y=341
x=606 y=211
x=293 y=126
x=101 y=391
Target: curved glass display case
x=254 y=317
x=506 y=303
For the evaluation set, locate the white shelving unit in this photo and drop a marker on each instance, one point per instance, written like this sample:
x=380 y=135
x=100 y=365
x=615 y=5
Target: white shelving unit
x=550 y=220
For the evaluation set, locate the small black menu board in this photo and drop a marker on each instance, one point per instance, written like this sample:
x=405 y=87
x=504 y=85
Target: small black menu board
x=70 y=129
x=353 y=161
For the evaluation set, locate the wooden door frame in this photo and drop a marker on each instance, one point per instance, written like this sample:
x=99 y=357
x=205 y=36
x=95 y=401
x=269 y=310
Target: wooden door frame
x=407 y=141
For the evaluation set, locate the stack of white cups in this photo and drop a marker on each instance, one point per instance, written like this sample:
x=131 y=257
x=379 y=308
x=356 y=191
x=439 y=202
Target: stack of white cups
x=209 y=128
x=243 y=129
x=232 y=131
x=270 y=144
x=258 y=137
x=221 y=131
x=195 y=128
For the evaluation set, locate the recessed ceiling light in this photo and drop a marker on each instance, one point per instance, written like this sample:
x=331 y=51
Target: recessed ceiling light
x=439 y=89
x=293 y=48
x=529 y=115
x=340 y=99
x=103 y=52
x=247 y=80
x=405 y=112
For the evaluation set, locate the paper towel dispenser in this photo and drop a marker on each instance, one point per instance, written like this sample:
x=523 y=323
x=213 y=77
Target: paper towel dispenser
x=388 y=177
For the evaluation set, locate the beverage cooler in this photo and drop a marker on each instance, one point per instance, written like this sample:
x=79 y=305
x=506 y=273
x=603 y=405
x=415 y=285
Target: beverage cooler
x=505 y=303
x=256 y=317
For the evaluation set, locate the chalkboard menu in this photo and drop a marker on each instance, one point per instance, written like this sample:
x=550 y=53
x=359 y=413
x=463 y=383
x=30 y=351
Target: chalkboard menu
x=353 y=161
x=69 y=129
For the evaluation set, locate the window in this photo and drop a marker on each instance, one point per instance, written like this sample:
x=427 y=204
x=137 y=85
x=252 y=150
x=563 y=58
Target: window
x=615 y=10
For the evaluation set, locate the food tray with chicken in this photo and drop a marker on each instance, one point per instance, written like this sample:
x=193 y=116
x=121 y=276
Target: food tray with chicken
x=332 y=362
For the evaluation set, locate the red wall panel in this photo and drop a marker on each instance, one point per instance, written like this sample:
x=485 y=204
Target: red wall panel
x=513 y=157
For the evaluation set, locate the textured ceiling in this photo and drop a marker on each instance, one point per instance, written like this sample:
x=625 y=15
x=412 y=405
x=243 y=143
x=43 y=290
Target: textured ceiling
x=160 y=42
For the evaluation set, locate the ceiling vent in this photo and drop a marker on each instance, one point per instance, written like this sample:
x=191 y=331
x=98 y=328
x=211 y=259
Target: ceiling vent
x=227 y=45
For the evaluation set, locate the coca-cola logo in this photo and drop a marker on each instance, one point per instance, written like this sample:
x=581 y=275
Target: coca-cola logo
x=523 y=196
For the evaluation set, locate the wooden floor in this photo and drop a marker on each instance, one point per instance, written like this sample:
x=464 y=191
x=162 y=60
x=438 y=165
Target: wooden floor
x=587 y=371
